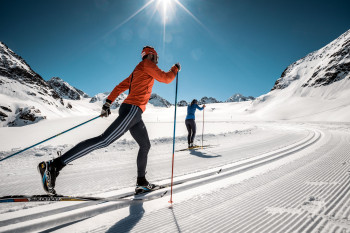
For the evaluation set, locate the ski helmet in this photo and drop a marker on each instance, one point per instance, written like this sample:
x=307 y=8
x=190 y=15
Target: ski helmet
x=148 y=50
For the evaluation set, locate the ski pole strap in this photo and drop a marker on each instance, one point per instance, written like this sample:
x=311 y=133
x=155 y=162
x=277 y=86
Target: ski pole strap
x=18 y=152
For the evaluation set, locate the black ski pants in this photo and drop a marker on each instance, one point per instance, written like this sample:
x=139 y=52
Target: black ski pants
x=129 y=119
x=191 y=128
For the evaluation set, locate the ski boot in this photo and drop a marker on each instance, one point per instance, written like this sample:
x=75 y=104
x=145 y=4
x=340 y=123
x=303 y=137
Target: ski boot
x=143 y=186
x=48 y=174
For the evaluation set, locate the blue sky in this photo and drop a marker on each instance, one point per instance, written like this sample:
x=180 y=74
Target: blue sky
x=224 y=46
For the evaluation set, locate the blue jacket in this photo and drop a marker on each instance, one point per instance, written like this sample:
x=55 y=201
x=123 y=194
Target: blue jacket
x=191 y=109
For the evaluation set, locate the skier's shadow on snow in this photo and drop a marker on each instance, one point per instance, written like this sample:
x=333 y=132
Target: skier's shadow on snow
x=136 y=212
x=203 y=155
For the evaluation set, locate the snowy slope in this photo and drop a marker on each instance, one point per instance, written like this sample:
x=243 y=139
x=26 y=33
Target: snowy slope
x=25 y=97
x=274 y=177
x=316 y=87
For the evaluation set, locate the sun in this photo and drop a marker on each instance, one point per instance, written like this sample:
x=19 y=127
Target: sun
x=166 y=9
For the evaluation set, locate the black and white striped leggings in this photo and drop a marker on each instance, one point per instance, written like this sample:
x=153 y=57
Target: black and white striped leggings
x=129 y=119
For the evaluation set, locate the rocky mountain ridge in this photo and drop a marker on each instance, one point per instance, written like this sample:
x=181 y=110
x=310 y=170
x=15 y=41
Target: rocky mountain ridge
x=43 y=98
x=239 y=98
x=65 y=90
x=19 y=85
x=320 y=68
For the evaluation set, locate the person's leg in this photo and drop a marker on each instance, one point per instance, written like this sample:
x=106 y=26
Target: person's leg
x=193 y=127
x=189 y=130
x=49 y=170
x=128 y=116
x=139 y=133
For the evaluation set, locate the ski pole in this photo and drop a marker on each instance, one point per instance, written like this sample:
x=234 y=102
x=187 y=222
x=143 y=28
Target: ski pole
x=203 y=128
x=9 y=156
x=172 y=167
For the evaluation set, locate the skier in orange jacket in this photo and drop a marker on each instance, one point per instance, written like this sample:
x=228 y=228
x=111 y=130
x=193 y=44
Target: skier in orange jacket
x=139 y=84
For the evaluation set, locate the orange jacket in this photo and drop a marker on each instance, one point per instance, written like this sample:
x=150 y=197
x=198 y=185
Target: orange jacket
x=142 y=80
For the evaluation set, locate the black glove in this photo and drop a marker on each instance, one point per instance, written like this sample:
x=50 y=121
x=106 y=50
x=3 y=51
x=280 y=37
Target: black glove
x=106 y=111
x=178 y=66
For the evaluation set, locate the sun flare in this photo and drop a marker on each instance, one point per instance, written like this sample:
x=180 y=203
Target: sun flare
x=167 y=12
x=166 y=9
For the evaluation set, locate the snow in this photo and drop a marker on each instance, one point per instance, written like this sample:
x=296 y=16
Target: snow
x=274 y=175
x=279 y=163
x=12 y=60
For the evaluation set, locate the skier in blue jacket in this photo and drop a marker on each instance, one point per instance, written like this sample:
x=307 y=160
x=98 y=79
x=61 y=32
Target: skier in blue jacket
x=190 y=121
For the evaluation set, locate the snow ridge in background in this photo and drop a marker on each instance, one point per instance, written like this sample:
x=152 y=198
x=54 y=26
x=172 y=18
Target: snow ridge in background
x=315 y=87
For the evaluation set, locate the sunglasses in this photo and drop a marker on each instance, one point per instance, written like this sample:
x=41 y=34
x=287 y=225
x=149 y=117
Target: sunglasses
x=156 y=58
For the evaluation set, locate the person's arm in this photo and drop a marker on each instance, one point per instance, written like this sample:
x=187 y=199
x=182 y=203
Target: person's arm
x=161 y=76
x=120 y=88
x=200 y=108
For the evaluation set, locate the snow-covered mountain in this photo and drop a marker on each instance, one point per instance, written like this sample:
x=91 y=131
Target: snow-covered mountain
x=208 y=100
x=204 y=100
x=158 y=101
x=320 y=68
x=317 y=85
x=101 y=99
x=25 y=97
x=155 y=100
x=239 y=98
x=182 y=103
x=15 y=71
x=66 y=91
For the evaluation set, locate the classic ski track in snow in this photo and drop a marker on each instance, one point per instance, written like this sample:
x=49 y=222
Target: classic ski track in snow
x=60 y=217
x=309 y=194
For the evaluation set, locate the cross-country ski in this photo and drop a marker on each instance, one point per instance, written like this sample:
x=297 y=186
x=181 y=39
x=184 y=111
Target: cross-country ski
x=50 y=198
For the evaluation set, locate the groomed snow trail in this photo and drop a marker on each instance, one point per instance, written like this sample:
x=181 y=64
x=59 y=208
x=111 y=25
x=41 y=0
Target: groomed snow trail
x=293 y=181
x=307 y=194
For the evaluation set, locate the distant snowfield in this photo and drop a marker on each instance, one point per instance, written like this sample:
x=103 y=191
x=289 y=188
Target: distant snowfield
x=276 y=176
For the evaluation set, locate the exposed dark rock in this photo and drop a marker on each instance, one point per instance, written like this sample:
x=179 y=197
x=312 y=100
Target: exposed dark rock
x=6 y=109
x=182 y=103
x=3 y=114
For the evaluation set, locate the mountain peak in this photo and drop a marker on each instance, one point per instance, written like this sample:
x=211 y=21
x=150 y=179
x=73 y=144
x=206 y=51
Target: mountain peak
x=26 y=96
x=320 y=68
x=239 y=98
x=158 y=101
x=66 y=91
